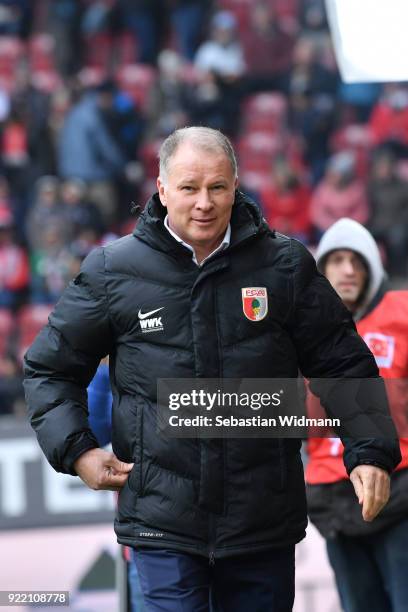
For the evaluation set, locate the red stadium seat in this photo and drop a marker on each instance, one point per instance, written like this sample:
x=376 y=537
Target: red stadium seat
x=257 y=150
x=265 y=112
x=6 y=329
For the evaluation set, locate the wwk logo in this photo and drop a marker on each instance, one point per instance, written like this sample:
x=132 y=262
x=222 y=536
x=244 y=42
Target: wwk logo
x=149 y=323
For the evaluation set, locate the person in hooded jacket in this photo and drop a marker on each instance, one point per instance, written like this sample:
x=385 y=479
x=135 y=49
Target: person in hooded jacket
x=209 y=518
x=369 y=559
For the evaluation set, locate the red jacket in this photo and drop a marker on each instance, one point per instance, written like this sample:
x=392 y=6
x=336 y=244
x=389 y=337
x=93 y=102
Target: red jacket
x=385 y=330
x=387 y=123
x=288 y=212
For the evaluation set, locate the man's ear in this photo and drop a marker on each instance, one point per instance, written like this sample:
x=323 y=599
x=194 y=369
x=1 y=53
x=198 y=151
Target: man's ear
x=161 y=188
x=236 y=186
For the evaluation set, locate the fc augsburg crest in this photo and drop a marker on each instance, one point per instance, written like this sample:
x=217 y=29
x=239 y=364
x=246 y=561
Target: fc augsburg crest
x=255 y=303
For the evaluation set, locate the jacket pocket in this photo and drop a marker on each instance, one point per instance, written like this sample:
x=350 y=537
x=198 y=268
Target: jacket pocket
x=127 y=437
x=135 y=478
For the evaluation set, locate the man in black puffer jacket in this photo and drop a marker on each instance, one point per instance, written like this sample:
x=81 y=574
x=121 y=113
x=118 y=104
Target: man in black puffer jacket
x=239 y=503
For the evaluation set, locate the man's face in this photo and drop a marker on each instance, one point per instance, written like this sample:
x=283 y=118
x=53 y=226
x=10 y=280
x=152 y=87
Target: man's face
x=347 y=274
x=198 y=194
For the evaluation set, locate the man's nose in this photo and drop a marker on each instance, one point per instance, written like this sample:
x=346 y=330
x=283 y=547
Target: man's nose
x=348 y=268
x=203 y=201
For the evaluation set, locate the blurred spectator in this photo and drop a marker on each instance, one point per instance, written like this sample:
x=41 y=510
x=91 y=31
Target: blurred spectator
x=339 y=194
x=170 y=94
x=286 y=203
x=216 y=98
x=49 y=267
x=14 y=141
x=61 y=101
x=187 y=17
x=145 y=19
x=389 y=120
x=222 y=54
x=16 y=17
x=267 y=45
x=15 y=161
x=313 y=22
x=63 y=228
x=126 y=125
x=123 y=119
x=32 y=105
x=98 y=16
x=45 y=211
x=77 y=212
x=64 y=19
x=77 y=250
x=367 y=557
x=311 y=90
x=88 y=151
x=388 y=198
x=14 y=269
x=312 y=16
x=215 y=102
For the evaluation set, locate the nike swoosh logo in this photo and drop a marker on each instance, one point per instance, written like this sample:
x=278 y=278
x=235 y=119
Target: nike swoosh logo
x=148 y=314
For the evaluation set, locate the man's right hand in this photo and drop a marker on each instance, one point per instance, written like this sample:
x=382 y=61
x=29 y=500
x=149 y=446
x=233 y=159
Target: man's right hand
x=372 y=487
x=100 y=469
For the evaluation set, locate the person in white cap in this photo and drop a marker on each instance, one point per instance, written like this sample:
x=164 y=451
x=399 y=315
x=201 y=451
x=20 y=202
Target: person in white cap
x=222 y=54
x=369 y=559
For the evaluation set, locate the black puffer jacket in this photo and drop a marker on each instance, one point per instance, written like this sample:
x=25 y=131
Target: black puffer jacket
x=225 y=496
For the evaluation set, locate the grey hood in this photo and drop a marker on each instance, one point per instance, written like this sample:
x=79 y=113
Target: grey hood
x=348 y=234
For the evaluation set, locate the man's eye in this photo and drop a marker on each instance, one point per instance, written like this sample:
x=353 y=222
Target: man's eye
x=187 y=188
x=218 y=187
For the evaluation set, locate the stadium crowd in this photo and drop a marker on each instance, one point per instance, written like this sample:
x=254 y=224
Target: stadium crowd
x=89 y=90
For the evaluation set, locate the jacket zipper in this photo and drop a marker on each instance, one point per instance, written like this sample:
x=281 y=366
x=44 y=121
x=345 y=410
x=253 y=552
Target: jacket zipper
x=211 y=539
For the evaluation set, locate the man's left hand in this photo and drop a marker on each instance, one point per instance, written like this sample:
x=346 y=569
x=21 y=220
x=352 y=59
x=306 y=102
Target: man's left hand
x=372 y=487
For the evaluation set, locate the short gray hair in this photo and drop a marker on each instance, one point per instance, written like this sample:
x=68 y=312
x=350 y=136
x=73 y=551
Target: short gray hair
x=203 y=138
